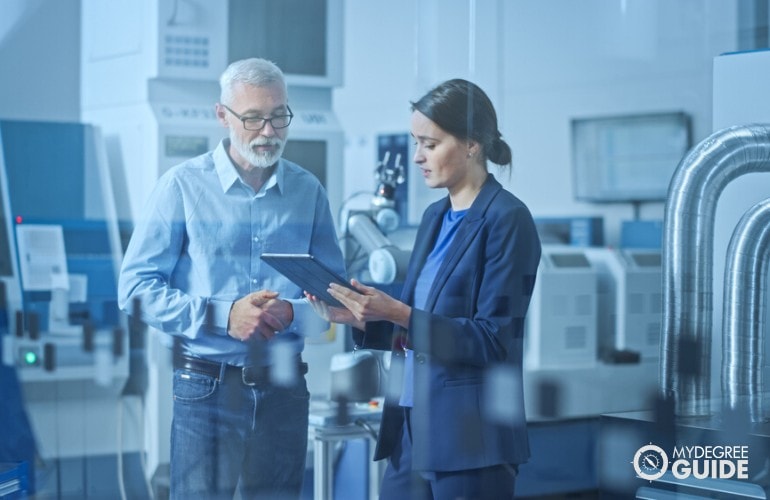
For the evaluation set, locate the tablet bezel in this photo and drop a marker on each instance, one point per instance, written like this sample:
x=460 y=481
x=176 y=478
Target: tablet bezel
x=308 y=273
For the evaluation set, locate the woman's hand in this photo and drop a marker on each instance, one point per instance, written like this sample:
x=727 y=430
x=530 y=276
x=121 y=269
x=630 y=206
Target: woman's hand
x=333 y=314
x=371 y=304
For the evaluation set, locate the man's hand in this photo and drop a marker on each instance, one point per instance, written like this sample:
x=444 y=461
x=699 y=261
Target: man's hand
x=259 y=313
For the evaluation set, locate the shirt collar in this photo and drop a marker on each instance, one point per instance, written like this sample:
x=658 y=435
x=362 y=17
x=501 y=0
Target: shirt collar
x=228 y=174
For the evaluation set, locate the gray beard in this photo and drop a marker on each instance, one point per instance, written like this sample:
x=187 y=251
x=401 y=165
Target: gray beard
x=259 y=160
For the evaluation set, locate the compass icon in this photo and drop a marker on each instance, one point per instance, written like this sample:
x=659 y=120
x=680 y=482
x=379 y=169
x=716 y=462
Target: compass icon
x=650 y=462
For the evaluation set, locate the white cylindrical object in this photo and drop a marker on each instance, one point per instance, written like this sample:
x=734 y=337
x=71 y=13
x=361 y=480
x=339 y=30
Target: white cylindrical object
x=382 y=266
x=366 y=233
x=387 y=220
x=388 y=264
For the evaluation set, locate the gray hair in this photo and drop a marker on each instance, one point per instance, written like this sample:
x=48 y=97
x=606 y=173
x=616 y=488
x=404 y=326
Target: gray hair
x=254 y=71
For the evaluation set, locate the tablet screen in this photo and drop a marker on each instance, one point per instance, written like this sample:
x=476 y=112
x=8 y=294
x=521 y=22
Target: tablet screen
x=308 y=273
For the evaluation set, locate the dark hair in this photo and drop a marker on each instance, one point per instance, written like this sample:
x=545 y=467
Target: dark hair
x=464 y=110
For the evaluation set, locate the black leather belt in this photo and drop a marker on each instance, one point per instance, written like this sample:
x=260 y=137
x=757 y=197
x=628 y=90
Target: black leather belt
x=249 y=375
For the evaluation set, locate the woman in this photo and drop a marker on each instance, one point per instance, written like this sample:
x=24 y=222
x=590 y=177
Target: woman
x=462 y=309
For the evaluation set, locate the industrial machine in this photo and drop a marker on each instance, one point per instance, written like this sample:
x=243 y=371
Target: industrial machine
x=561 y=322
x=702 y=418
x=411 y=196
x=578 y=334
x=149 y=79
x=629 y=288
x=61 y=247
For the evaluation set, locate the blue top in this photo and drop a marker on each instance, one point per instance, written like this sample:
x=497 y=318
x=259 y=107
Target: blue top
x=447 y=233
x=449 y=225
x=198 y=248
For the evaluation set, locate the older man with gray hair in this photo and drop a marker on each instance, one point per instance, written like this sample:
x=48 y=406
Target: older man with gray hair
x=193 y=265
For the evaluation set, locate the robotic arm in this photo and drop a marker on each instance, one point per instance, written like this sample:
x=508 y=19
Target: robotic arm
x=387 y=262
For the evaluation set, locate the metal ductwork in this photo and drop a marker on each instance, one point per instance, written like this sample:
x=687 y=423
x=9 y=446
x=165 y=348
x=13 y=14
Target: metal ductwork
x=743 y=321
x=688 y=254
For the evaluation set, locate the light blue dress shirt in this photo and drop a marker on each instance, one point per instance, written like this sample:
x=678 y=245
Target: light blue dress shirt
x=197 y=248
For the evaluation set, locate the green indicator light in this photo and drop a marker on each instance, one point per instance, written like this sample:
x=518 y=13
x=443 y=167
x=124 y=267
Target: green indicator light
x=30 y=358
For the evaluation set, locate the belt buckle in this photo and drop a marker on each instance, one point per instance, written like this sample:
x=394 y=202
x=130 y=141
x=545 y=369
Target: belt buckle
x=250 y=375
x=254 y=375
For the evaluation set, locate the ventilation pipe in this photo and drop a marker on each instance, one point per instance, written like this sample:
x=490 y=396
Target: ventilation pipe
x=743 y=321
x=688 y=254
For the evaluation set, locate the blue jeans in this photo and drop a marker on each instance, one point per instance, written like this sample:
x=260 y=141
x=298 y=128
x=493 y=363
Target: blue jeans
x=227 y=435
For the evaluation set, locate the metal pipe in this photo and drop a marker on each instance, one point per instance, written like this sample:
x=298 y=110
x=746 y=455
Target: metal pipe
x=688 y=237
x=743 y=322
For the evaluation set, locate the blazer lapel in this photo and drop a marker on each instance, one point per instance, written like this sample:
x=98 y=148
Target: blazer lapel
x=466 y=233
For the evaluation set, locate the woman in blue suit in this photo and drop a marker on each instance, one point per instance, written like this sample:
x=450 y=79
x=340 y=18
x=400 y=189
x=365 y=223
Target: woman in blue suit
x=460 y=321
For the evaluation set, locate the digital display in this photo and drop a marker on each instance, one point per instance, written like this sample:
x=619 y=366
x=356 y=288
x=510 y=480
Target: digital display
x=292 y=33
x=627 y=158
x=185 y=146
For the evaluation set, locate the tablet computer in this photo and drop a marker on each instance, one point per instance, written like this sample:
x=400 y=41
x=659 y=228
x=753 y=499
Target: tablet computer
x=308 y=273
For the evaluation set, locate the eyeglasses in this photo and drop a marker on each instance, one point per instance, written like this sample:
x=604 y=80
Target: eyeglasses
x=255 y=123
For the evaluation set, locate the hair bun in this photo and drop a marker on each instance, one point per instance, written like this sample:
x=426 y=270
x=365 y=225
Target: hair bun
x=500 y=152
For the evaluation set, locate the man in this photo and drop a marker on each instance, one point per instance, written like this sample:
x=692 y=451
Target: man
x=240 y=401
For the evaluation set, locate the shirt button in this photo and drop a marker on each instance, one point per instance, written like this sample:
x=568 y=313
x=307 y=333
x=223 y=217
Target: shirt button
x=254 y=281
x=256 y=239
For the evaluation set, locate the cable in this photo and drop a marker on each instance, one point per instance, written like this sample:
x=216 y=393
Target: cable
x=362 y=423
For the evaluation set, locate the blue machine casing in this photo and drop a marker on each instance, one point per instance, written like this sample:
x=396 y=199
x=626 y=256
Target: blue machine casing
x=641 y=234
x=574 y=231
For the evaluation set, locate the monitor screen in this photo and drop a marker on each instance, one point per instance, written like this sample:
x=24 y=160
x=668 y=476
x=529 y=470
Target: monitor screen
x=627 y=158
x=291 y=33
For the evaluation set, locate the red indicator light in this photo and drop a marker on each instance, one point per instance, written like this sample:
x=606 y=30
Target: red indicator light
x=18 y=219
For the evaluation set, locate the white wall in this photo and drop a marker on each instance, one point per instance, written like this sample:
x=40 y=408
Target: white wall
x=40 y=59
x=543 y=62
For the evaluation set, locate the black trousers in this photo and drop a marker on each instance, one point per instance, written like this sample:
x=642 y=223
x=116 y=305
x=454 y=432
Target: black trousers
x=400 y=482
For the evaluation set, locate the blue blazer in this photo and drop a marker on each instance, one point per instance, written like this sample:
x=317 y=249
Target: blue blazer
x=473 y=320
